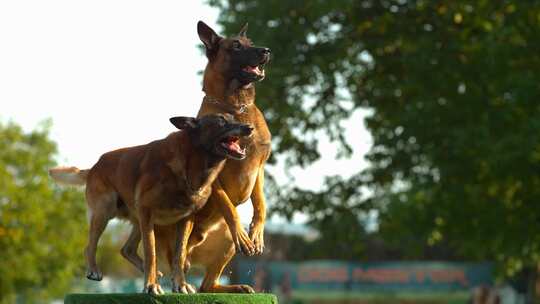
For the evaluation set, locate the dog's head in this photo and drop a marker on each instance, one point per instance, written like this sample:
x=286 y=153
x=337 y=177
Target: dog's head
x=217 y=134
x=234 y=58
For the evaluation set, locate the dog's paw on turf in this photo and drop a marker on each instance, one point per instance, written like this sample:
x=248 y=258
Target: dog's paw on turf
x=153 y=289
x=184 y=288
x=243 y=289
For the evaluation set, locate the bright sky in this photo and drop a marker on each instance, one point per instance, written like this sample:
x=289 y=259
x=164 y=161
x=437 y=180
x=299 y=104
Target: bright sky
x=110 y=74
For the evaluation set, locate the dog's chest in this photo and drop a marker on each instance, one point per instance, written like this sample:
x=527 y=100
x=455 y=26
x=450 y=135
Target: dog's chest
x=258 y=144
x=174 y=199
x=239 y=177
x=184 y=205
x=256 y=149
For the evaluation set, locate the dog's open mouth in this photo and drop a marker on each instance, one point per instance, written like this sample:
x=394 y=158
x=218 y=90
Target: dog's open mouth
x=257 y=70
x=232 y=145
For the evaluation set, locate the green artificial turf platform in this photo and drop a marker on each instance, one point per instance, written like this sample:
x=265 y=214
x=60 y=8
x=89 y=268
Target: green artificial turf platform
x=170 y=298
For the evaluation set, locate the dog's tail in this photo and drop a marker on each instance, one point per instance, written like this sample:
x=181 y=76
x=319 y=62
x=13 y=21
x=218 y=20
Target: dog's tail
x=69 y=175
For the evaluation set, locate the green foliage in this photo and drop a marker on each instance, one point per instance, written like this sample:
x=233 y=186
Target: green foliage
x=454 y=89
x=343 y=243
x=41 y=227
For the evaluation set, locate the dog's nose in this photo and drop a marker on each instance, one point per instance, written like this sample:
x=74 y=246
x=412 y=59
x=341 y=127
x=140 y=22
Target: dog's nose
x=248 y=129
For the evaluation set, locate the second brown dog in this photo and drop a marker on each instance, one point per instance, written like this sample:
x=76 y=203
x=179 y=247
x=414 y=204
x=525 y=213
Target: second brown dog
x=160 y=183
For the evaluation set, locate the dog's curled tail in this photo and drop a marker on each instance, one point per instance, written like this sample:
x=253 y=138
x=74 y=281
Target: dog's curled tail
x=69 y=175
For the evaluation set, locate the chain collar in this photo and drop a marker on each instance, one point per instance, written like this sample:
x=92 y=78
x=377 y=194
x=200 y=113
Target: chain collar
x=230 y=108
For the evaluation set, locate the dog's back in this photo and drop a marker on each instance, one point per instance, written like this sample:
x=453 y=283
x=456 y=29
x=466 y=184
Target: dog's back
x=120 y=170
x=111 y=181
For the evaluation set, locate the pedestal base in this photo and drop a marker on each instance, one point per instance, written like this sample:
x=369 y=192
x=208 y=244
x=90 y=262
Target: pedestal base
x=201 y=298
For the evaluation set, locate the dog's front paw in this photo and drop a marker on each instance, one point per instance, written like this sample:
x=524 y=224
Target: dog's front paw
x=184 y=288
x=153 y=289
x=242 y=242
x=256 y=234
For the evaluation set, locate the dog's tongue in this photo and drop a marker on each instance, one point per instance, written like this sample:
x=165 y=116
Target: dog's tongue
x=253 y=69
x=233 y=144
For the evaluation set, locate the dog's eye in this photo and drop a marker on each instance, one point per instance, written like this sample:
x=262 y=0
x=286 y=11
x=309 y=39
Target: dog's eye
x=222 y=121
x=236 y=45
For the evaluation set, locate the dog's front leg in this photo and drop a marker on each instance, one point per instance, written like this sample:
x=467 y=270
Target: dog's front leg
x=183 y=230
x=151 y=285
x=256 y=228
x=228 y=210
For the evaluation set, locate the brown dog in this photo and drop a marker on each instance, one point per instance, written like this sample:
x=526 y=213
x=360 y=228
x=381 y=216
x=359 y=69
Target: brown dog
x=160 y=183
x=234 y=64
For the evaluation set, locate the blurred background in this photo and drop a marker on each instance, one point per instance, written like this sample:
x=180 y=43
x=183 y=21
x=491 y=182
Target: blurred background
x=406 y=142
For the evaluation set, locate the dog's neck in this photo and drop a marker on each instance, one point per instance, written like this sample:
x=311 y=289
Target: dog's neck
x=230 y=92
x=200 y=180
x=199 y=167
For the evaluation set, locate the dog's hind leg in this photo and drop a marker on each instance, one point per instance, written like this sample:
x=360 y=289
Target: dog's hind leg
x=215 y=253
x=102 y=208
x=98 y=222
x=129 y=250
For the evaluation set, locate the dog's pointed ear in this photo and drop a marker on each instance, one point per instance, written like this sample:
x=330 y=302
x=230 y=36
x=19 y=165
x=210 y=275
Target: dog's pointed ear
x=183 y=122
x=208 y=36
x=243 y=31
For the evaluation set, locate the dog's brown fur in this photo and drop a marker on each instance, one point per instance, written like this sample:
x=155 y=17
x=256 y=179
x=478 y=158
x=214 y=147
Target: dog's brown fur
x=160 y=183
x=227 y=91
